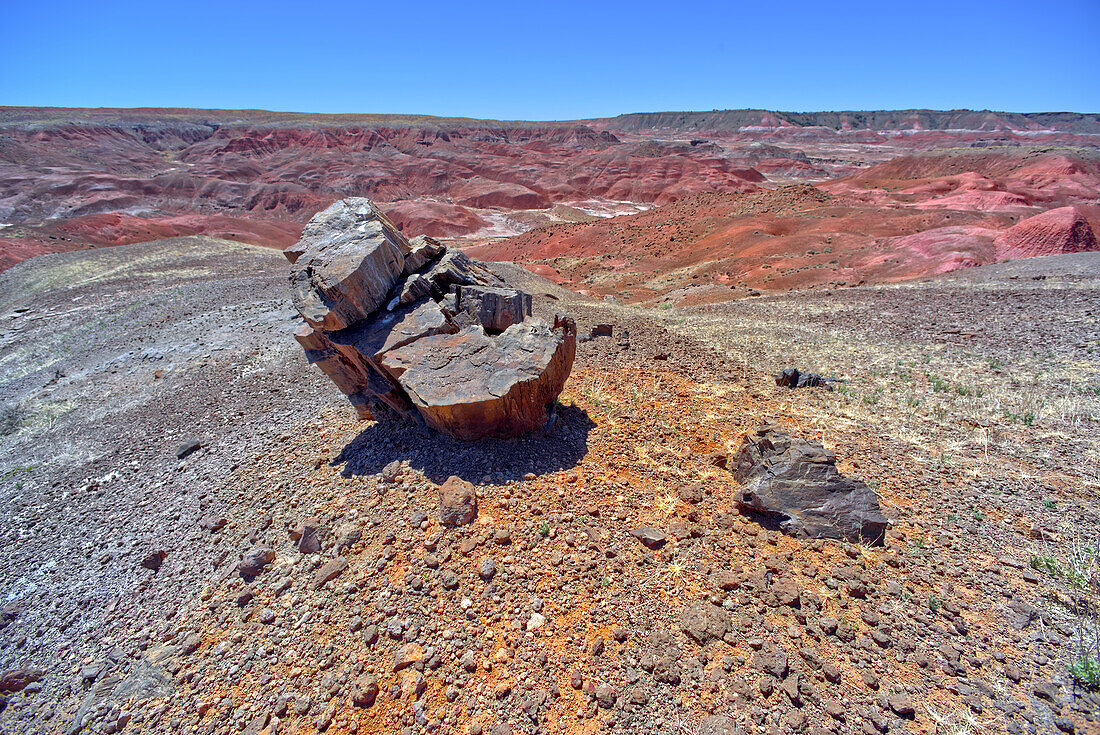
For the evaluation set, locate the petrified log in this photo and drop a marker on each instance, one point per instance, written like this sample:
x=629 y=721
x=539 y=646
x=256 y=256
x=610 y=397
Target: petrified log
x=347 y=261
x=470 y=384
x=412 y=328
x=796 y=484
x=496 y=309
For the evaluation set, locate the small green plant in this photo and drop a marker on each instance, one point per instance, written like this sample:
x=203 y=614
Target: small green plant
x=1054 y=568
x=934 y=603
x=1085 y=670
x=1046 y=564
x=17 y=470
x=544 y=529
x=605 y=581
x=979 y=516
x=1027 y=419
x=952 y=517
x=920 y=541
x=1047 y=502
x=939 y=385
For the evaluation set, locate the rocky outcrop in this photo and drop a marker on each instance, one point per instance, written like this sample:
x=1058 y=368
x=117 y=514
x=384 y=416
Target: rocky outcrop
x=795 y=483
x=412 y=328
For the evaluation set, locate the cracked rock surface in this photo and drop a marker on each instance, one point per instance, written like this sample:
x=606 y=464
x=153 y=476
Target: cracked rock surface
x=411 y=328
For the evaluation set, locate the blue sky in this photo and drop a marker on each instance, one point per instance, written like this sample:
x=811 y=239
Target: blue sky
x=552 y=60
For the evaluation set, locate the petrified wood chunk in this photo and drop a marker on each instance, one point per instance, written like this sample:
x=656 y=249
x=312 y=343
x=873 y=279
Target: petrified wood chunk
x=412 y=328
x=796 y=483
x=350 y=257
x=471 y=385
x=495 y=309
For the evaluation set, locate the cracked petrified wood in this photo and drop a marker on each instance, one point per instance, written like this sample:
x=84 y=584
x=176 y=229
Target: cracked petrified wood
x=413 y=328
x=796 y=484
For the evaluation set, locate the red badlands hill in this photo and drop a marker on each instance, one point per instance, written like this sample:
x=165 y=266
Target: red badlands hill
x=884 y=208
x=891 y=222
x=1062 y=230
x=147 y=170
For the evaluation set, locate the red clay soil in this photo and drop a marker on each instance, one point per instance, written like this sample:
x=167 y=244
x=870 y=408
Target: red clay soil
x=433 y=218
x=892 y=222
x=75 y=179
x=1057 y=231
x=146 y=176
x=112 y=228
x=995 y=179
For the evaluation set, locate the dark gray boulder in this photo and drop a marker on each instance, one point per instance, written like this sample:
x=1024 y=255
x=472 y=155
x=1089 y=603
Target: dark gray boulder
x=795 y=484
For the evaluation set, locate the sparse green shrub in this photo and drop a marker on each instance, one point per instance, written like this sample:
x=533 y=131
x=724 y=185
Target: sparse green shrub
x=1085 y=670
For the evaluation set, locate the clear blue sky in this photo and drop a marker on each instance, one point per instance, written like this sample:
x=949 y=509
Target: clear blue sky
x=552 y=60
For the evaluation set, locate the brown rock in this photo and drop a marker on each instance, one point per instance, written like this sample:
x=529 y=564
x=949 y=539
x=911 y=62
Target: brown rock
x=470 y=385
x=364 y=691
x=704 y=622
x=650 y=536
x=408 y=655
x=15 y=680
x=457 y=502
x=254 y=561
x=308 y=535
x=212 y=522
x=328 y=571
x=348 y=535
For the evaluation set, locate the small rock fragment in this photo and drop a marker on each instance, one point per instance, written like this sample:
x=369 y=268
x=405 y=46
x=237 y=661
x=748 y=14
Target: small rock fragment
x=154 y=559
x=188 y=447
x=652 y=538
x=328 y=571
x=15 y=680
x=254 y=560
x=457 y=501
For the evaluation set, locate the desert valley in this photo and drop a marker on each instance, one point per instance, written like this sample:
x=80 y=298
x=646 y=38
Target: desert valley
x=404 y=424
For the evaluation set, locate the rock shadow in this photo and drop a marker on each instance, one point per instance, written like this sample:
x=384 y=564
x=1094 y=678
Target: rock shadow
x=556 y=447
